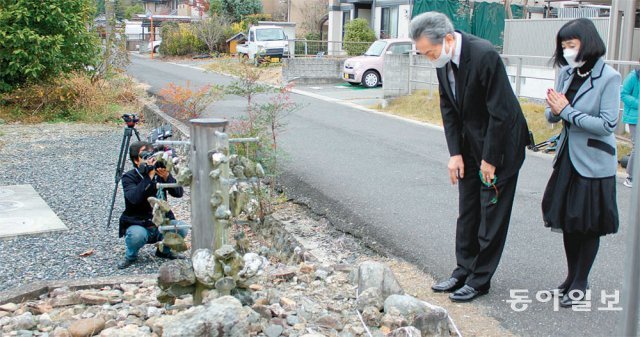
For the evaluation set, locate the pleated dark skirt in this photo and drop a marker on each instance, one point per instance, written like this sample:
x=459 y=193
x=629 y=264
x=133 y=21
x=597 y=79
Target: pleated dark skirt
x=575 y=204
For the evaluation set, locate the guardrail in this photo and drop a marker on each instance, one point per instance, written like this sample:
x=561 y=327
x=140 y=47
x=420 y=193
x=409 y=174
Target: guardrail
x=318 y=48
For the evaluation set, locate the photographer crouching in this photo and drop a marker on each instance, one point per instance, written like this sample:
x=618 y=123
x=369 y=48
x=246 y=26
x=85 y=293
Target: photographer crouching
x=138 y=185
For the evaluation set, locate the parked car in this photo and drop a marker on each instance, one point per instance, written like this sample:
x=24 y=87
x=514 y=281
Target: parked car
x=367 y=69
x=155 y=47
x=265 y=43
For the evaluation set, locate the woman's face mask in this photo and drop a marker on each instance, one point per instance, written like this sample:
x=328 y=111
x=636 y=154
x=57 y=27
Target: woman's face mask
x=570 y=55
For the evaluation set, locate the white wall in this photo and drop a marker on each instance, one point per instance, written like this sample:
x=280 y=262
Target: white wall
x=378 y=23
x=404 y=18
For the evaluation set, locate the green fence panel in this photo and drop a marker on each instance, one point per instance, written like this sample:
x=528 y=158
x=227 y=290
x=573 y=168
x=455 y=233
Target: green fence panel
x=458 y=11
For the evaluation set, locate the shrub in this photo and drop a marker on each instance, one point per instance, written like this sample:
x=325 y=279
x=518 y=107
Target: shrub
x=357 y=31
x=312 y=36
x=40 y=40
x=236 y=9
x=72 y=98
x=188 y=103
x=180 y=39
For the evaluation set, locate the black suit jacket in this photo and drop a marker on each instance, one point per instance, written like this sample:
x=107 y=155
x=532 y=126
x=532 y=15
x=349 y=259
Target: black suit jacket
x=485 y=122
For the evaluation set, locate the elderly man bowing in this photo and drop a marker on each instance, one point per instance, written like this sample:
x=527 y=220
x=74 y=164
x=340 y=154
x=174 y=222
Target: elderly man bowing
x=486 y=135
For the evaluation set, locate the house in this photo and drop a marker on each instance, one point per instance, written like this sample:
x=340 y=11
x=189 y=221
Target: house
x=310 y=16
x=388 y=18
x=161 y=7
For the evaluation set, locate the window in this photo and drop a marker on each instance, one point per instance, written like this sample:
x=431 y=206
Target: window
x=251 y=36
x=389 y=22
x=346 y=17
x=400 y=48
x=270 y=34
x=376 y=48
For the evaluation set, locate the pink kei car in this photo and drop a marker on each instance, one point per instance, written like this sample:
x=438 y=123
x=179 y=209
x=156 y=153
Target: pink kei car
x=367 y=69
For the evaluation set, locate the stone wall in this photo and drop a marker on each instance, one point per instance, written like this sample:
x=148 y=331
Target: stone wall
x=312 y=70
x=397 y=71
x=154 y=117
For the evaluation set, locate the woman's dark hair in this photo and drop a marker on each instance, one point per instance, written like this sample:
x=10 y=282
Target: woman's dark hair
x=134 y=149
x=591 y=45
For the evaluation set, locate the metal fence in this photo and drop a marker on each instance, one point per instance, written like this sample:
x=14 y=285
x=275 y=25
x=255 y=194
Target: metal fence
x=335 y=49
x=528 y=78
x=538 y=36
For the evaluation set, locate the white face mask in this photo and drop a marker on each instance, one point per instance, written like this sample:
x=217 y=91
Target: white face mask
x=444 y=58
x=570 y=55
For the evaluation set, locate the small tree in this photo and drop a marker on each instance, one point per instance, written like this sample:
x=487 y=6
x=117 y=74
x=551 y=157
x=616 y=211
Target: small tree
x=248 y=86
x=237 y=9
x=42 y=40
x=313 y=11
x=188 y=103
x=212 y=31
x=130 y=11
x=357 y=31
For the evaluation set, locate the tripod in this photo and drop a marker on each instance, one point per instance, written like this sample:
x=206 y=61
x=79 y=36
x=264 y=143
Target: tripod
x=129 y=130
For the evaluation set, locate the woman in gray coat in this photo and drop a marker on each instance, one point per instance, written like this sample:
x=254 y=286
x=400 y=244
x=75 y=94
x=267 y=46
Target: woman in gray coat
x=580 y=198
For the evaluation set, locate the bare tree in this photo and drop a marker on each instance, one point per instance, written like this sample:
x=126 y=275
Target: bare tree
x=211 y=30
x=312 y=13
x=507 y=7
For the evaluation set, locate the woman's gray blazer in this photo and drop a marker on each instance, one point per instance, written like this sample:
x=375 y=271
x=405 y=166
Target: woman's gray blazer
x=593 y=116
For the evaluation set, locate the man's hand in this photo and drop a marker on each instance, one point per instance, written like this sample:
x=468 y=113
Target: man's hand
x=556 y=101
x=151 y=162
x=456 y=168
x=163 y=173
x=488 y=171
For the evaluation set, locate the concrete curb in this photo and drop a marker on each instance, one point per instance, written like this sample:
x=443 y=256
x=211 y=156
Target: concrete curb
x=35 y=290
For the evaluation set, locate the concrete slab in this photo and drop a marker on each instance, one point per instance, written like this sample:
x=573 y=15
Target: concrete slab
x=23 y=211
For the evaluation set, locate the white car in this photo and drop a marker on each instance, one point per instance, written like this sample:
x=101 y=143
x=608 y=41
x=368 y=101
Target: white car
x=155 y=47
x=265 y=42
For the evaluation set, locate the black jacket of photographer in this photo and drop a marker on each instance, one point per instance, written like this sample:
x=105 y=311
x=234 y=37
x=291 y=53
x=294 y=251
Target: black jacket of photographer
x=137 y=188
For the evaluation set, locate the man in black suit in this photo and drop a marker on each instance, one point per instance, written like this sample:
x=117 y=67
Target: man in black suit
x=486 y=136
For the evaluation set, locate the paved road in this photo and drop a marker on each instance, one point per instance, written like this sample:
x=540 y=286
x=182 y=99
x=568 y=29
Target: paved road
x=386 y=179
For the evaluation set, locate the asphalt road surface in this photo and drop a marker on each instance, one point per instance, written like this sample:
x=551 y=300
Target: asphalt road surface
x=385 y=179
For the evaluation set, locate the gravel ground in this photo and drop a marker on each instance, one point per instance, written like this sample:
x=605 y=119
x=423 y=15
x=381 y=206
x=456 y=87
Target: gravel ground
x=72 y=167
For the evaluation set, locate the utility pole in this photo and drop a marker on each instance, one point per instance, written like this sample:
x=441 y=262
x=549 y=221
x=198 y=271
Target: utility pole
x=628 y=325
x=110 y=16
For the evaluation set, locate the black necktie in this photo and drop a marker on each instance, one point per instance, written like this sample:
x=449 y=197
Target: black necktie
x=454 y=67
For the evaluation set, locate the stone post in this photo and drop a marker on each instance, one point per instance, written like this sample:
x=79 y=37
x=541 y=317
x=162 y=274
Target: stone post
x=203 y=144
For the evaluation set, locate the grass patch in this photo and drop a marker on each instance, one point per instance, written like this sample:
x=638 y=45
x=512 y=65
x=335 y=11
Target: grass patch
x=424 y=106
x=270 y=73
x=76 y=98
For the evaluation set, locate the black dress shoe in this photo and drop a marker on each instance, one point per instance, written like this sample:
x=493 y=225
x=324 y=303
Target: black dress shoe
x=466 y=294
x=568 y=302
x=126 y=263
x=560 y=291
x=447 y=286
x=169 y=255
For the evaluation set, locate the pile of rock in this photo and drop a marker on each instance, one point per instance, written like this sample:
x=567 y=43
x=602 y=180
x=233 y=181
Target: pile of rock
x=221 y=273
x=384 y=305
x=307 y=300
